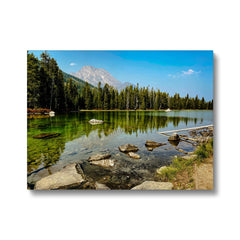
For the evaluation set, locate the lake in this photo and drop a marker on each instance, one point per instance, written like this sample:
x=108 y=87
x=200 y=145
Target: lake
x=78 y=140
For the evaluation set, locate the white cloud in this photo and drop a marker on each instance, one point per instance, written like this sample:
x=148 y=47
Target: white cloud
x=188 y=72
x=72 y=64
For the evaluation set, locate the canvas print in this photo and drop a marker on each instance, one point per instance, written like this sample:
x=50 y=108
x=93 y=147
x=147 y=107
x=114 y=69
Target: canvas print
x=119 y=120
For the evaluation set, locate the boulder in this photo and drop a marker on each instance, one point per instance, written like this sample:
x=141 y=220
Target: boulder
x=153 y=144
x=67 y=177
x=174 y=137
x=133 y=155
x=104 y=163
x=95 y=121
x=46 y=135
x=98 y=157
x=128 y=148
x=152 y=185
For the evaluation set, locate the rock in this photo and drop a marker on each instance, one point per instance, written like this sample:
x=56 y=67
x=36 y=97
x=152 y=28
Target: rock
x=101 y=186
x=188 y=157
x=133 y=155
x=204 y=133
x=79 y=169
x=174 y=137
x=160 y=170
x=95 y=121
x=193 y=133
x=104 y=163
x=210 y=129
x=98 y=157
x=67 y=177
x=46 y=135
x=153 y=144
x=128 y=148
x=181 y=150
x=149 y=148
x=183 y=135
x=173 y=143
x=152 y=185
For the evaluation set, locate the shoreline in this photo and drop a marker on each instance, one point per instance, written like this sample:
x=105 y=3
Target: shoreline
x=138 y=110
x=191 y=172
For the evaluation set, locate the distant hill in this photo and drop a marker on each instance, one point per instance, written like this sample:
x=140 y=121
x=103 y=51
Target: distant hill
x=94 y=75
x=80 y=83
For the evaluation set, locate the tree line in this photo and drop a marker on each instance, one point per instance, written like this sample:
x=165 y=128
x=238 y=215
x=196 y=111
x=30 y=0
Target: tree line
x=46 y=88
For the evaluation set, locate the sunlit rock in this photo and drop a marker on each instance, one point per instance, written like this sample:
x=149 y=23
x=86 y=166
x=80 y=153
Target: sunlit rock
x=67 y=177
x=95 y=121
x=152 y=185
x=128 y=148
x=174 y=137
x=153 y=144
x=104 y=163
x=134 y=155
x=188 y=157
x=98 y=157
x=101 y=186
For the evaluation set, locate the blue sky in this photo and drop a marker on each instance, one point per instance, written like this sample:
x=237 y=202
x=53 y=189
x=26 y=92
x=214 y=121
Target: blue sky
x=170 y=71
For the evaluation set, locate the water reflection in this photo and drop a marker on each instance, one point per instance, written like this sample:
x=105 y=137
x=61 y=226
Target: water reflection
x=46 y=152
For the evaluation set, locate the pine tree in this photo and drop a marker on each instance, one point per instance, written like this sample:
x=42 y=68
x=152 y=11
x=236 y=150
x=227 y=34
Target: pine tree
x=33 y=81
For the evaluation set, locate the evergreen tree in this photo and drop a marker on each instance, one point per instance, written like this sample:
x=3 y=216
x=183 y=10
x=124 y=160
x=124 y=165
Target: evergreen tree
x=33 y=81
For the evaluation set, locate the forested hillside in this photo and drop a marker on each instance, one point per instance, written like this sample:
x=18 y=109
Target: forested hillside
x=49 y=87
x=80 y=83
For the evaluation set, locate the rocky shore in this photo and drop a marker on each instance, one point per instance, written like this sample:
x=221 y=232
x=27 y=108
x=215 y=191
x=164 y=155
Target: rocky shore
x=79 y=175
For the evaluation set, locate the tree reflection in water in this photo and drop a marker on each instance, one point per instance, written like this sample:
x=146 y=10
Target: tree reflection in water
x=46 y=152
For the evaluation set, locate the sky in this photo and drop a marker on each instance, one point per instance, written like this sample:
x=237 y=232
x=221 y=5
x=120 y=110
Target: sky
x=170 y=71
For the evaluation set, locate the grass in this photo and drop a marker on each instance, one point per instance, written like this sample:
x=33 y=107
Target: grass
x=204 y=151
x=182 y=167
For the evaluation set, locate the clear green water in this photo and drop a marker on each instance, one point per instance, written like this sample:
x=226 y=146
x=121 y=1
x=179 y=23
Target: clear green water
x=79 y=140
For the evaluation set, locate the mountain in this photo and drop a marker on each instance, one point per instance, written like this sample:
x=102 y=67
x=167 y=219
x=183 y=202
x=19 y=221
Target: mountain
x=94 y=75
x=80 y=83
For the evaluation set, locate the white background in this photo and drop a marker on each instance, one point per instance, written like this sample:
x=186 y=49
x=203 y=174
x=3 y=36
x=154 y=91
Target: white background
x=134 y=25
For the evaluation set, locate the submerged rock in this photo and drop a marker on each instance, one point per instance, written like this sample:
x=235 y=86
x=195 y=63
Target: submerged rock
x=152 y=185
x=181 y=150
x=149 y=148
x=128 y=148
x=98 y=157
x=67 y=177
x=174 y=137
x=95 y=121
x=153 y=144
x=134 y=155
x=104 y=163
x=46 y=135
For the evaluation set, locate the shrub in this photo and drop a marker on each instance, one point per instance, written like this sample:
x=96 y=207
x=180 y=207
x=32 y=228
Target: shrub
x=202 y=152
x=168 y=173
